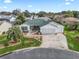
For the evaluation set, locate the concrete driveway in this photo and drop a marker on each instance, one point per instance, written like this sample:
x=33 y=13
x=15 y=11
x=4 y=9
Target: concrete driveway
x=54 y=41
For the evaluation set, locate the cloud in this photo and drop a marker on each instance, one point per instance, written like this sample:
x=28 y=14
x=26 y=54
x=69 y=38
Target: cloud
x=69 y=0
x=67 y=3
x=29 y=6
x=72 y=0
x=5 y=7
x=37 y=10
x=7 y=1
x=66 y=0
x=0 y=7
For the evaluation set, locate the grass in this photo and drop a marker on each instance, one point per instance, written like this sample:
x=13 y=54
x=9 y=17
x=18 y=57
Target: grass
x=2 y=39
x=2 y=36
x=73 y=44
x=27 y=43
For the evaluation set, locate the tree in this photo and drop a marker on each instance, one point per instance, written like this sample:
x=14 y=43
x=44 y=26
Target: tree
x=33 y=13
x=76 y=26
x=76 y=14
x=69 y=14
x=16 y=12
x=20 y=19
x=41 y=14
x=26 y=13
x=14 y=34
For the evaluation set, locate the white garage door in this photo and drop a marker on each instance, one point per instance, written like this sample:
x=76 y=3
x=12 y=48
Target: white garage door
x=48 y=29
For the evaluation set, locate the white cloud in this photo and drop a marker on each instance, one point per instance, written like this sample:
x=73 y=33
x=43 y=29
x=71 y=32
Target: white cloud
x=0 y=7
x=66 y=0
x=7 y=1
x=37 y=10
x=69 y=0
x=5 y=7
x=29 y=6
x=67 y=3
x=72 y=0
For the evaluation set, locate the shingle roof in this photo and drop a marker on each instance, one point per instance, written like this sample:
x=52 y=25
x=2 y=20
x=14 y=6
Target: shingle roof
x=71 y=19
x=36 y=22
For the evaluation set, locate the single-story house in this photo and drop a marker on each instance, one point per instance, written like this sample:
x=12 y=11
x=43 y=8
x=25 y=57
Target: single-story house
x=6 y=22
x=66 y=21
x=8 y=18
x=42 y=26
x=70 y=20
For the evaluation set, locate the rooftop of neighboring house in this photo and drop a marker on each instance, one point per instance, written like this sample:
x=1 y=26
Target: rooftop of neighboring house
x=71 y=19
x=36 y=17
x=8 y=18
x=45 y=18
x=5 y=13
x=5 y=16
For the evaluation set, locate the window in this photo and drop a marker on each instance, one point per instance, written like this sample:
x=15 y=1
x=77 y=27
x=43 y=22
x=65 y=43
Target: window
x=24 y=29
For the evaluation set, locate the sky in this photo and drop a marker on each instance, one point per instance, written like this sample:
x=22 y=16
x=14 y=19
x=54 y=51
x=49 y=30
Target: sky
x=39 y=5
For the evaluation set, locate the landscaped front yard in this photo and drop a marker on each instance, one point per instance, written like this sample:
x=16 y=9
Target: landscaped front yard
x=72 y=39
x=14 y=40
x=27 y=42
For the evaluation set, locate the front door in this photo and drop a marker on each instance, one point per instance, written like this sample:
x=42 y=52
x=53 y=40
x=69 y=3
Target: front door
x=35 y=28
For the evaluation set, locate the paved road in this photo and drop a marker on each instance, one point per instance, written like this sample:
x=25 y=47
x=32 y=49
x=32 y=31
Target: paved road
x=42 y=53
x=54 y=41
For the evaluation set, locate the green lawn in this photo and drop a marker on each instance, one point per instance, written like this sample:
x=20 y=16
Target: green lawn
x=2 y=39
x=71 y=39
x=27 y=43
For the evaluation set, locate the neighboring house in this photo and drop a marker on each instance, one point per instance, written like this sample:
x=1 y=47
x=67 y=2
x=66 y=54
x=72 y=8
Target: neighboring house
x=69 y=20
x=4 y=27
x=36 y=17
x=42 y=26
x=45 y=18
x=6 y=22
x=8 y=18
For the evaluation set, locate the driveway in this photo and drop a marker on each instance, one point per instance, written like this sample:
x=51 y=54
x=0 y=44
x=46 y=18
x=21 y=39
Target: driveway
x=54 y=41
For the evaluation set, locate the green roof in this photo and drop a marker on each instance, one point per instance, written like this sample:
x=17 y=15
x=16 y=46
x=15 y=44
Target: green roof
x=36 y=22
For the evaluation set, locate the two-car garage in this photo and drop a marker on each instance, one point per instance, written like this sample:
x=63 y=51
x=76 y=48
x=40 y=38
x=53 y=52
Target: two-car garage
x=51 y=28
